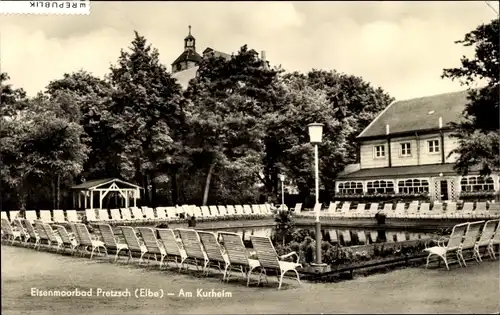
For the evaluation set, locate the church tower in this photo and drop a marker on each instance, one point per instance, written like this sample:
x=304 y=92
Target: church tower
x=189 y=58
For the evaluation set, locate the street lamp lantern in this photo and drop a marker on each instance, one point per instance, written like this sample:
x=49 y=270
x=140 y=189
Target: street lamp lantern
x=315 y=132
x=282 y=178
x=316 y=135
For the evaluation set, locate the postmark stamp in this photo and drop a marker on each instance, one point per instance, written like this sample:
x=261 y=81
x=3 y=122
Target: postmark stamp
x=65 y=7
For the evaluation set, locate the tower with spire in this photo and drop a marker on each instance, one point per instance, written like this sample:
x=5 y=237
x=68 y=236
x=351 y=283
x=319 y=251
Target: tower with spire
x=189 y=57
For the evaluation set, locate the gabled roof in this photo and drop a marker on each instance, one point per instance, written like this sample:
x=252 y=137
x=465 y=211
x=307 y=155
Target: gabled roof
x=188 y=55
x=404 y=171
x=96 y=183
x=212 y=52
x=417 y=114
x=183 y=77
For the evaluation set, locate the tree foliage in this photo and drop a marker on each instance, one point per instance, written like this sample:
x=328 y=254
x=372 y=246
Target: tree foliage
x=478 y=132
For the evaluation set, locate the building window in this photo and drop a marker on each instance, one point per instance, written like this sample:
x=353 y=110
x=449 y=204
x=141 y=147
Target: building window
x=379 y=151
x=413 y=186
x=350 y=188
x=179 y=67
x=476 y=183
x=406 y=149
x=380 y=187
x=433 y=146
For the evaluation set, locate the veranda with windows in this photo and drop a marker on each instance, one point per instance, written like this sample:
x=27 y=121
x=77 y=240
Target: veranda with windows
x=425 y=182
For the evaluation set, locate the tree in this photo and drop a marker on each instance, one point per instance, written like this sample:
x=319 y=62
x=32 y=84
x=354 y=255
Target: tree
x=227 y=100
x=478 y=131
x=86 y=99
x=11 y=99
x=147 y=114
x=344 y=103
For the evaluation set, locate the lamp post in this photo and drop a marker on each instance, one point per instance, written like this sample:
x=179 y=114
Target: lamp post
x=315 y=135
x=282 y=178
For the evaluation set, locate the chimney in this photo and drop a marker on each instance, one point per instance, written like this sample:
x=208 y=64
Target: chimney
x=386 y=129
x=440 y=122
x=263 y=57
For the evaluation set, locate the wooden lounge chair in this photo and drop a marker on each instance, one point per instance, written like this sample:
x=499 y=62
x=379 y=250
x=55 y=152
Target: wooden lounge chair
x=333 y=235
x=197 y=212
x=451 y=210
x=316 y=209
x=412 y=211
x=486 y=236
x=247 y=210
x=149 y=213
x=172 y=247
x=66 y=239
x=214 y=211
x=45 y=216
x=74 y=234
x=5 y=215
x=72 y=216
x=373 y=210
x=231 y=211
x=133 y=243
x=115 y=215
x=126 y=215
x=90 y=215
x=161 y=213
x=31 y=215
x=346 y=236
x=171 y=214
x=53 y=237
x=361 y=237
x=215 y=252
x=264 y=210
x=153 y=245
x=238 y=255
x=239 y=210
x=399 y=212
x=454 y=241
x=344 y=211
x=205 y=212
x=400 y=236
x=87 y=241
x=138 y=215
x=332 y=209
x=40 y=230
x=222 y=211
x=481 y=211
x=424 y=211
x=104 y=215
x=194 y=249
x=9 y=232
x=32 y=235
x=360 y=211
x=468 y=209
x=256 y=210
x=495 y=241
x=438 y=211
x=269 y=259
x=111 y=241
x=470 y=239
x=387 y=210
x=59 y=216
x=13 y=215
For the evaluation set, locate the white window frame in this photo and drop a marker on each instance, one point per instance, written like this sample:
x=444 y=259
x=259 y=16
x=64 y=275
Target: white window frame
x=476 y=183
x=405 y=152
x=436 y=149
x=375 y=151
x=413 y=186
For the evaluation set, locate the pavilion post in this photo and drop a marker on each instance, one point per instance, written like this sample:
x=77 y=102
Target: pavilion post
x=100 y=199
x=74 y=201
x=79 y=199
x=85 y=204
x=91 y=199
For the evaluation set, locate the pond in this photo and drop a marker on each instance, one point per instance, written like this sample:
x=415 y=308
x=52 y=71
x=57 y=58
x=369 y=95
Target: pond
x=343 y=236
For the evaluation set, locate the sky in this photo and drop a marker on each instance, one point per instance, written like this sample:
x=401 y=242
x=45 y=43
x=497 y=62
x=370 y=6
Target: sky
x=399 y=46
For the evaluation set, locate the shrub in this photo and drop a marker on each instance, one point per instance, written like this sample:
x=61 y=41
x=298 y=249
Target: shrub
x=300 y=235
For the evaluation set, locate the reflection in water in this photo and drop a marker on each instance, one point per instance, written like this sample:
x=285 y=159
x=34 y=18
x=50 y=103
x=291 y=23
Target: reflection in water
x=343 y=236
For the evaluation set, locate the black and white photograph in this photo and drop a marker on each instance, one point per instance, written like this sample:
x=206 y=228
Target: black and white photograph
x=237 y=157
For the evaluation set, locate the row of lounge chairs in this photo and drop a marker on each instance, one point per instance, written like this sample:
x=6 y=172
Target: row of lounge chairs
x=146 y=214
x=469 y=236
x=413 y=210
x=224 y=250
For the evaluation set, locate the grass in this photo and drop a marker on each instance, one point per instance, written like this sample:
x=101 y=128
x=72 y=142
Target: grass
x=413 y=290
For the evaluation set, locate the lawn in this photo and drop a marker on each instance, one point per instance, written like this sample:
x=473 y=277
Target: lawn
x=473 y=289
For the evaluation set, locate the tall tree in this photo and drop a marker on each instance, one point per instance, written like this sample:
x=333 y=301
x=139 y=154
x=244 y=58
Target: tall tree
x=227 y=101
x=147 y=113
x=478 y=132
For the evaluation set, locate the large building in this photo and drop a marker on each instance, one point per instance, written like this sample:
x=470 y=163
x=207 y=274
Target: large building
x=405 y=151
x=185 y=67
